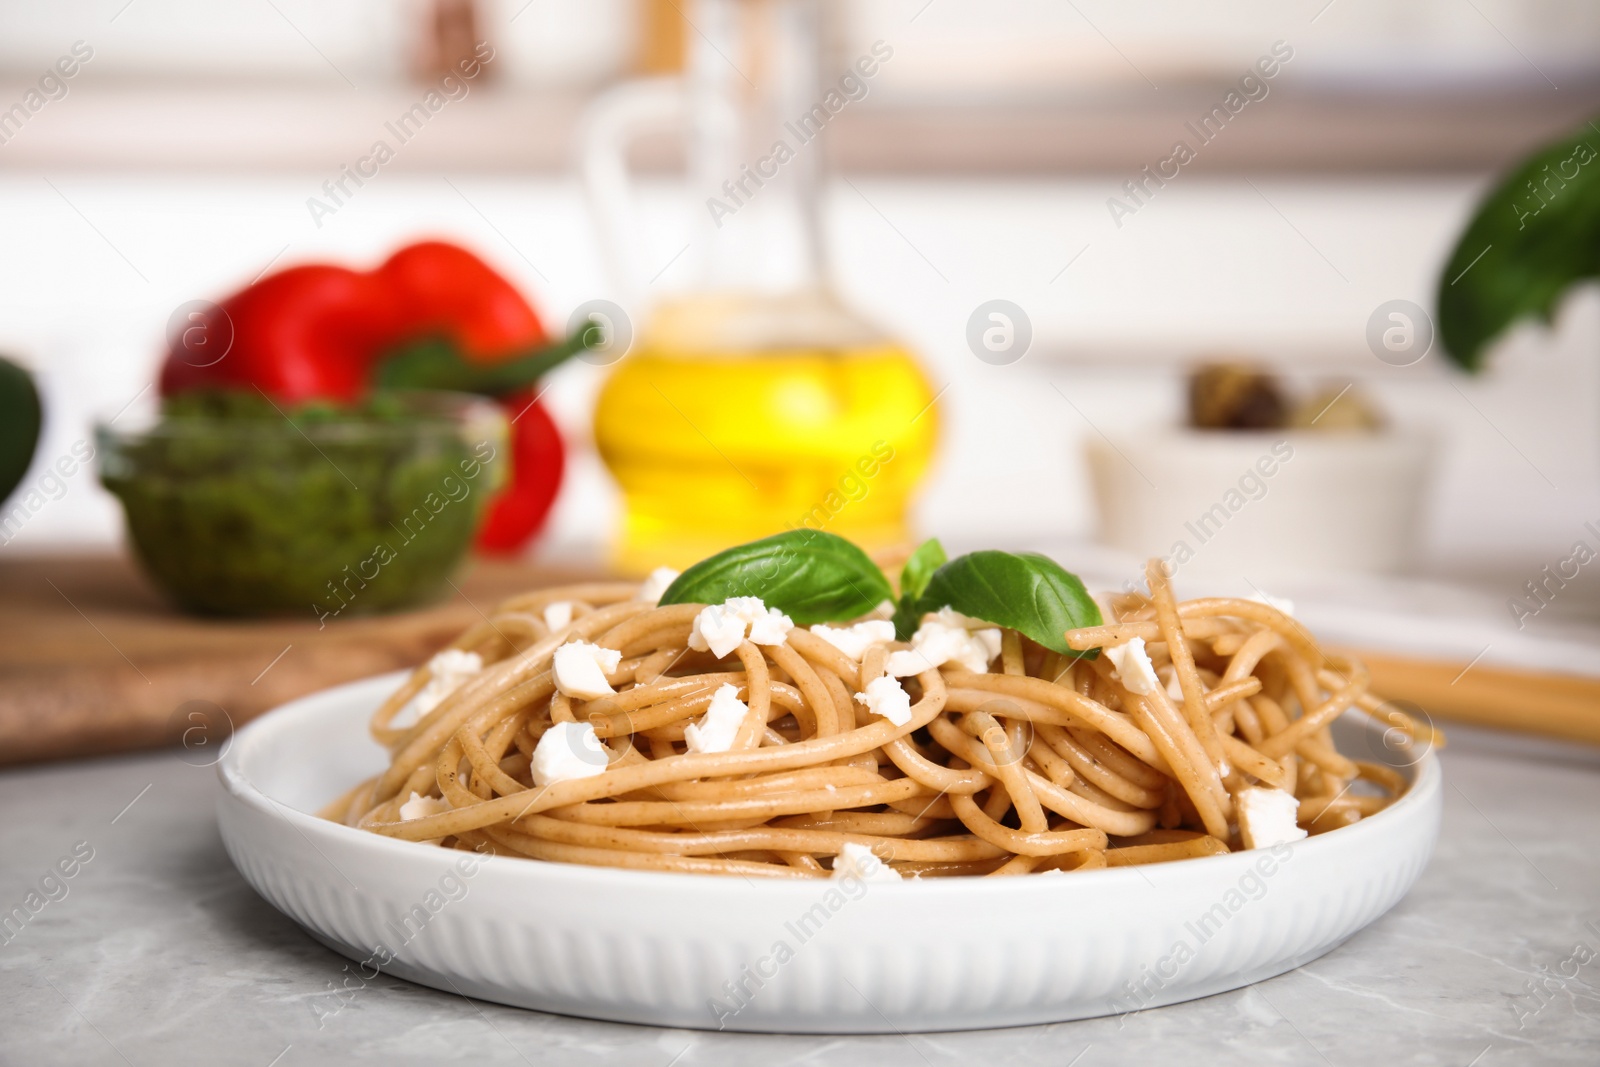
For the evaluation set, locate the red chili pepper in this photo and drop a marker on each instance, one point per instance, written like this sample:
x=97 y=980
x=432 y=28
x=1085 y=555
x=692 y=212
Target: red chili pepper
x=433 y=316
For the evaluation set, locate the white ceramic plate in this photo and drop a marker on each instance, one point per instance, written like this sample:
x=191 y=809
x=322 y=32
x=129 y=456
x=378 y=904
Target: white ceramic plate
x=710 y=952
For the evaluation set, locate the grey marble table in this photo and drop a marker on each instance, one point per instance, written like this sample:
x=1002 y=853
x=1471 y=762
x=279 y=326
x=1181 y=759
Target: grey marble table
x=155 y=951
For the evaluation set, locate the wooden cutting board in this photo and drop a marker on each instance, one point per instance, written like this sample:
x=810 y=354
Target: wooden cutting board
x=93 y=661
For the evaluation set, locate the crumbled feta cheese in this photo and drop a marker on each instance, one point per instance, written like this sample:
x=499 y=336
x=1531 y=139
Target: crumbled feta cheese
x=720 y=724
x=558 y=614
x=420 y=807
x=771 y=628
x=858 y=861
x=745 y=607
x=1282 y=604
x=655 y=585
x=884 y=610
x=720 y=627
x=1267 y=817
x=885 y=697
x=951 y=617
x=854 y=641
x=905 y=662
x=768 y=626
x=716 y=631
x=1174 y=689
x=568 y=750
x=581 y=669
x=943 y=637
x=1133 y=667
x=450 y=669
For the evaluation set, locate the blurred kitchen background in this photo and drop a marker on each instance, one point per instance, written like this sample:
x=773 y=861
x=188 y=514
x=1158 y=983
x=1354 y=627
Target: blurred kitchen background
x=177 y=164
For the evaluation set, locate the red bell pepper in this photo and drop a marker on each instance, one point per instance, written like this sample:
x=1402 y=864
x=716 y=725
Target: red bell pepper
x=433 y=316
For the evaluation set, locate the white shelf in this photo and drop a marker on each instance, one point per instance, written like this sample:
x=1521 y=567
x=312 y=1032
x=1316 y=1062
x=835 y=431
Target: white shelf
x=284 y=126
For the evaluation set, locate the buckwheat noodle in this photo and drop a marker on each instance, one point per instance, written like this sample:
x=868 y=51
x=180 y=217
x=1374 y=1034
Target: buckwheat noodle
x=1043 y=763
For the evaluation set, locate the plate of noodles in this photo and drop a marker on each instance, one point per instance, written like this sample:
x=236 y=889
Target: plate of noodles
x=795 y=789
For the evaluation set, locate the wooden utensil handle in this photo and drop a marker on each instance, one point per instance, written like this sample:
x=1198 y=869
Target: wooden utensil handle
x=1552 y=704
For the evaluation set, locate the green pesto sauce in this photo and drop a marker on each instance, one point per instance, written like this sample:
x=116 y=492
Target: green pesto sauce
x=237 y=507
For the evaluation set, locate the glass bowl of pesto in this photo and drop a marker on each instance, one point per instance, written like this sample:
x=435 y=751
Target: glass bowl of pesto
x=240 y=505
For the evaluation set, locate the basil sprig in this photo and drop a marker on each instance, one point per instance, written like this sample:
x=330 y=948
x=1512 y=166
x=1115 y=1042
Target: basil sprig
x=1026 y=592
x=808 y=575
x=919 y=568
x=914 y=577
x=813 y=577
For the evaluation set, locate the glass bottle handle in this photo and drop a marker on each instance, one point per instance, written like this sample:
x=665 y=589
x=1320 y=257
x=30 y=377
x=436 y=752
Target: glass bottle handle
x=612 y=122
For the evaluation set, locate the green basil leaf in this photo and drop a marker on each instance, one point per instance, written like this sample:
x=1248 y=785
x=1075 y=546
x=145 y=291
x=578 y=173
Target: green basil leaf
x=808 y=575
x=919 y=568
x=1026 y=592
x=907 y=616
x=928 y=558
x=1532 y=238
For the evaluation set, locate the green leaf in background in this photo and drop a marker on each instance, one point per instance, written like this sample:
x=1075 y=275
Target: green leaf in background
x=808 y=575
x=1534 y=236
x=20 y=418
x=1026 y=592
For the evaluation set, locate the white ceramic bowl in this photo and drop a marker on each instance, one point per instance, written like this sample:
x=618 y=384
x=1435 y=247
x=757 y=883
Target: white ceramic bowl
x=675 y=949
x=1266 y=505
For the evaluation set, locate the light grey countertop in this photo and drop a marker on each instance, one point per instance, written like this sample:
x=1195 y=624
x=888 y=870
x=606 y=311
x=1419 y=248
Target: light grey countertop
x=155 y=951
